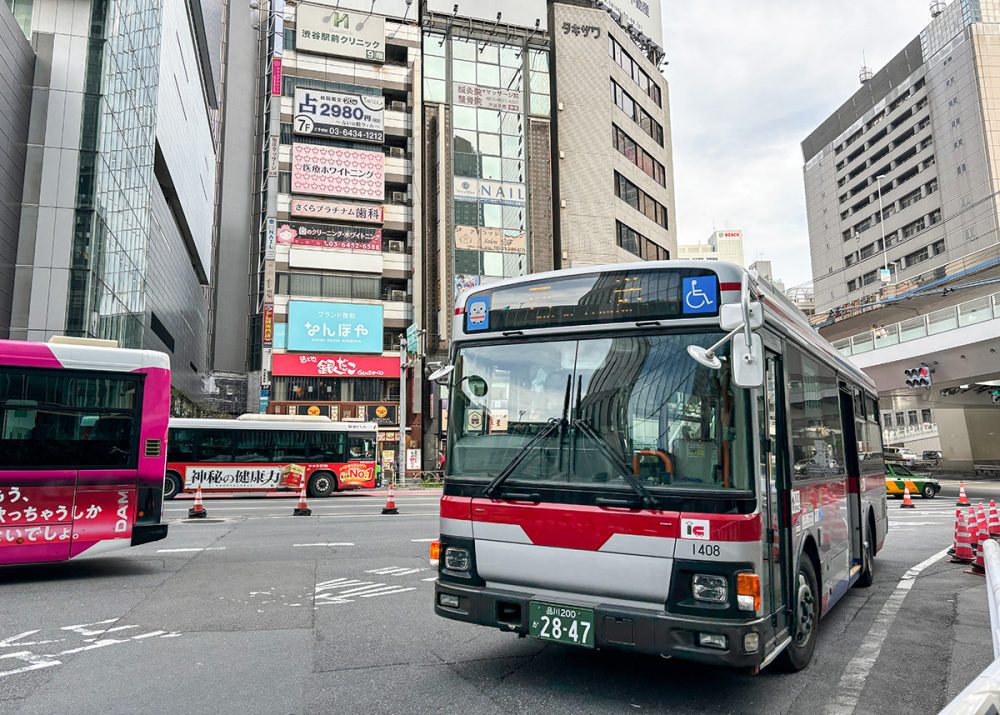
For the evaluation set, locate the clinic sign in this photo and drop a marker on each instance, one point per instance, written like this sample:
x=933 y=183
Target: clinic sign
x=332 y=171
x=501 y=100
x=328 y=235
x=339 y=115
x=340 y=33
x=489 y=192
x=335 y=210
x=334 y=327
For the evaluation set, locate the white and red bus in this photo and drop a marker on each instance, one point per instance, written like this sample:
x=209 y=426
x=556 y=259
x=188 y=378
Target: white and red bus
x=250 y=454
x=82 y=430
x=660 y=457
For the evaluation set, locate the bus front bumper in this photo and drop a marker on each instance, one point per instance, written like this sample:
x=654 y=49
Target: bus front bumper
x=632 y=629
x=146 y=533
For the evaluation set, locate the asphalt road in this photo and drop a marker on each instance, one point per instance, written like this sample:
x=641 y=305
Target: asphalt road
x=256 y=611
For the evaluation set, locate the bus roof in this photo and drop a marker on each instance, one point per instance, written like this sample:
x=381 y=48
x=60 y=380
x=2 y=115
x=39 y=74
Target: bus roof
x=781 y=314
x=264 y=425
x=76 y=356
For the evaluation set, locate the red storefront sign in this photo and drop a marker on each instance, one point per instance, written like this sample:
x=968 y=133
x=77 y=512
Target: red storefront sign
x=276 y=77
x=334 y=366
x=268 y=325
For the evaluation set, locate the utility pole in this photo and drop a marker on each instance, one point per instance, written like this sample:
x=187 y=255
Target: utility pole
x=401 y=459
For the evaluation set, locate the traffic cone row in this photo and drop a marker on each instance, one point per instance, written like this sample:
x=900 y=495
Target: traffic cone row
x=978 y=567
x=390 y=502
x=974 y=526
x=302 y=509
x=963 y=541
x=198 y=510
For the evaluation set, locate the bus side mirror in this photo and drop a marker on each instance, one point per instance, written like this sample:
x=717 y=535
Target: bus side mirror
x=731 y=315
x=442 y=374
x=748 y=360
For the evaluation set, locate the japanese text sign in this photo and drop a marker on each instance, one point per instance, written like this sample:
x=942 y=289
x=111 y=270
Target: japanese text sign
x=334 y=327
x=341 y=33
x=339 y=115
x=332 y=171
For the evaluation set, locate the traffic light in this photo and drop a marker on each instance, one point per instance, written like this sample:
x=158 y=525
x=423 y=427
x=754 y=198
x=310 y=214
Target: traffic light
x=918 y=376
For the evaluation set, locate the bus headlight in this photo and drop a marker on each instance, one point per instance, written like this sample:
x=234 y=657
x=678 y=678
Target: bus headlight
x=456 y=559
x=709 y=588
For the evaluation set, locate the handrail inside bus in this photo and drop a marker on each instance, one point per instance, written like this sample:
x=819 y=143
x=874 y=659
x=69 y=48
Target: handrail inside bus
x=664 y=457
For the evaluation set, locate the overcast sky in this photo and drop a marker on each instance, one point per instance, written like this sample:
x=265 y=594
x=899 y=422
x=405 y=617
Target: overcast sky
x=748 y=82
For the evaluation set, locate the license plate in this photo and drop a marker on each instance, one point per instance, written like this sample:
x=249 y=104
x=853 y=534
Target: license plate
x=561 y=624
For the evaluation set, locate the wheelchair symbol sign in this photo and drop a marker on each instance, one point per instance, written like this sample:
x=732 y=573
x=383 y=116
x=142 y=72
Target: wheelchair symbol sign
x=701 y=295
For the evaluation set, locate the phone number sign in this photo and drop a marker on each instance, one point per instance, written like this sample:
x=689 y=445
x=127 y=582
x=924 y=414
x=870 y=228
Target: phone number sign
x=339 y=115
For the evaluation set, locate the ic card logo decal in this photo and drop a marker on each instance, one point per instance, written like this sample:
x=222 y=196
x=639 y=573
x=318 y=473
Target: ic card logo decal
x=699 y=529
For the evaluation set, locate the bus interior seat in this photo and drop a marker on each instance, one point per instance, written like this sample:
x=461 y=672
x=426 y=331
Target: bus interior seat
x=695 y=460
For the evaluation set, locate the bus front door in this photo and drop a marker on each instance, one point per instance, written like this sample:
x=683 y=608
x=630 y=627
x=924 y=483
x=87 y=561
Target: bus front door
x=774 y=493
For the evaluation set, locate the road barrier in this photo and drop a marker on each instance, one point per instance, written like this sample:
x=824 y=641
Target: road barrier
x=982 y=696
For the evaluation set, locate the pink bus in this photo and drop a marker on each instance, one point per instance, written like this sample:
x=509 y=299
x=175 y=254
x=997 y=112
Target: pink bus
x=83 y=426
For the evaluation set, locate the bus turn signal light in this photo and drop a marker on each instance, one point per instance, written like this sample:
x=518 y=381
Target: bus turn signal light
x=748 y=592
x=435 y=553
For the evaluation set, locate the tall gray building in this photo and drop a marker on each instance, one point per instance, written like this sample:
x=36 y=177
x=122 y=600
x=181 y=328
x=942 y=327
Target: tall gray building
x=117 y=209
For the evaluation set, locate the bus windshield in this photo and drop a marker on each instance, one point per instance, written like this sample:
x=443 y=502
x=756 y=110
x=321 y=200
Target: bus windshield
x=635 y=403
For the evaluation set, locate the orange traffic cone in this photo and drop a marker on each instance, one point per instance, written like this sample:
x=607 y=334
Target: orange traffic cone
x=907 y=501
x=962 y=499
x=978 y=567
x=993 y=522
x=963 y=542
x=198 y=510
x=954 y=543
x=390 y=502
x=302 y=509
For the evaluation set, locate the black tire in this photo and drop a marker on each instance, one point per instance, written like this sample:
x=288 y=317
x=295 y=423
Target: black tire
x=928 y=492
x=172 y=485
x=867 y=577
x=322 y=484
x=805 y=625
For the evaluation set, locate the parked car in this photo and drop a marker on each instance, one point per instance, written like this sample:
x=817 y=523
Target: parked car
x=899 y=478
x=931 y=455
x=903 y=455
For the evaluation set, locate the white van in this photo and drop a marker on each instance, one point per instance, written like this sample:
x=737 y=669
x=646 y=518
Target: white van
x=899 y=454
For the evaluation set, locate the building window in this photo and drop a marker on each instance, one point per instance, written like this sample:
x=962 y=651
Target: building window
x=315 y=285
x=628 y=148
x=852 y=285
x=640 y=200
x=634 y=242
x=632 y=69
x=623 y=100
x=910 y=199
x=937 y=248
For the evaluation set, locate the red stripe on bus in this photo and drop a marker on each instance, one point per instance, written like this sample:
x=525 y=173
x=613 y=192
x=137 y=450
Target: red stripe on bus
x=459 y=311
x=456 y=508
x=730 y=286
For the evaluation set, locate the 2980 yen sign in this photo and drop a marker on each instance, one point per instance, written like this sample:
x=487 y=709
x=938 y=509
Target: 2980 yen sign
x=561 y=624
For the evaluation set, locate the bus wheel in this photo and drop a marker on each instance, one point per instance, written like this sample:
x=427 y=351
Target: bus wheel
x=171 y=485
x=867 y=576
x=322 y=484
x=805 y=626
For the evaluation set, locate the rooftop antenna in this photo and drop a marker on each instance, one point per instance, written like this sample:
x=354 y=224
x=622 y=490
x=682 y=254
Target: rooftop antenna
x=865 y=74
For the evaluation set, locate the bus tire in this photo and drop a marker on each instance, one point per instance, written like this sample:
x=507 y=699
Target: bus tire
x=172 y=485
x=799 y=652
x=867 y=576
x=322 y=484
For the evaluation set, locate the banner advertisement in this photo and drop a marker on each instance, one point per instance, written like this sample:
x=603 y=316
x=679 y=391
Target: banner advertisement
x=490 y=239
x=273 y=156
x=501 y=100
x=335 y=327
x=335 y=366
x=210 y=478
x=360 y=117
x=276 y=76
x=359 y=238
x=268 y=325
x=265 y=368
x=269 y=282
x=332 y=171
x=490 y=192
x=464 y=282
x=340 y=33
x=280 y=335
x=413 y=459
x=272 y=226
x=316 y=208
x=382 y=414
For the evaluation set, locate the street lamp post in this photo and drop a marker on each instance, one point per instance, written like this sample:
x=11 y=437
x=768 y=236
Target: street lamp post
x=881 y=223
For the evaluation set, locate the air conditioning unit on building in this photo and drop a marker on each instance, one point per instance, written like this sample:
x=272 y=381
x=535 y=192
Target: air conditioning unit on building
x=397 y=151
x=397 y=106
x=398 y=197
x=397 y=247
x=397 y=296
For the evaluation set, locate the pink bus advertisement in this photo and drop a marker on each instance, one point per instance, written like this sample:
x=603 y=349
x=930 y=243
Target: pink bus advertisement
x=83 y=428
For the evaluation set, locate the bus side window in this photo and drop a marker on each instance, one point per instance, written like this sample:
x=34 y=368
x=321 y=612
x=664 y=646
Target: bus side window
x=215 y=445
x=181 y=444
x=328 y=447
x=253 y=446
x=360 y=449
x=292 y=447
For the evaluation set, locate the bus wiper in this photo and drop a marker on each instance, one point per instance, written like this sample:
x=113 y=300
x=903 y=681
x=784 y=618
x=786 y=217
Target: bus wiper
x=551 y=426
x=648 y=500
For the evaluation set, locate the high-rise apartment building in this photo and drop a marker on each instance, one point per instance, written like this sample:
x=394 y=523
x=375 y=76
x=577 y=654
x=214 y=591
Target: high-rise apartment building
x=902 y=204
x=331 y=274
x=116 y=226
x=724 y=245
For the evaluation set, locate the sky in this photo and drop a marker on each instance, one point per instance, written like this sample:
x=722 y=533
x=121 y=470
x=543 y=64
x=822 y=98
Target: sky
x=748 y=82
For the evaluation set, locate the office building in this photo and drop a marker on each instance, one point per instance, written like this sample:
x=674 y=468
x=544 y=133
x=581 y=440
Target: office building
x=546 y=145
x=16 y=71
x=903 y=213
x=117 y=207
x=725 y=245
x=331 y=265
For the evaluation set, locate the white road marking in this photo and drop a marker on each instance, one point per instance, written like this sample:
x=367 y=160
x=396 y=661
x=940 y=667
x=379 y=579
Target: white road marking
x=919 y=523
x=343 y=543
x=432 y=578
x=855 y=676
x=394 y=571
x=35 y=662
x=184 y=551
x=422 y=541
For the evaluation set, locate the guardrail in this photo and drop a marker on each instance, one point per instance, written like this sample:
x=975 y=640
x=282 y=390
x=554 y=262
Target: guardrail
x=982 y=696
